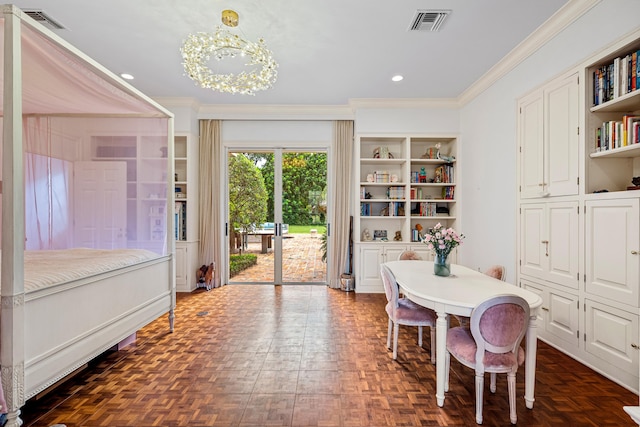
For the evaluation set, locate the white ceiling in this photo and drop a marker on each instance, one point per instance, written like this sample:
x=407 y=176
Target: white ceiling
x=329 y=51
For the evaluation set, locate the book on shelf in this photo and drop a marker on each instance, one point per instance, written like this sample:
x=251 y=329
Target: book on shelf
x=395 y=192
x=448 y=193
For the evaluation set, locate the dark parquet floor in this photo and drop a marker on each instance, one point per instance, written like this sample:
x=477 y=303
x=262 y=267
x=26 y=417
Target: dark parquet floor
x=245 y=355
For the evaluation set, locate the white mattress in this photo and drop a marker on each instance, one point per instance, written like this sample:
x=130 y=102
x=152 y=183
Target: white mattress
x=46 y=268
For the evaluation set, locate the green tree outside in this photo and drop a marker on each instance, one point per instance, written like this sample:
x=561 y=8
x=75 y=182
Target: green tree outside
x=304 y=182
x=247 y=193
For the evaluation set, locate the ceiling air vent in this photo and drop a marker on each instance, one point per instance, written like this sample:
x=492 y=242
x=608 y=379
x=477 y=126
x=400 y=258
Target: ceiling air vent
x=428 y=20
x=44 y=19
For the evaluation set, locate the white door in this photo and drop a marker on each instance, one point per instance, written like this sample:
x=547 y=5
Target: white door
x=100 y=204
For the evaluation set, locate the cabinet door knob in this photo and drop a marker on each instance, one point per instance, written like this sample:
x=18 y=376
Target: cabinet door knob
x=544 y=308
x=634 y=252
x=635 y=346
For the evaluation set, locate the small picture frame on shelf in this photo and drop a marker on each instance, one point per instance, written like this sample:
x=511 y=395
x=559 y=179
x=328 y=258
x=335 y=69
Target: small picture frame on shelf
x=380 y=235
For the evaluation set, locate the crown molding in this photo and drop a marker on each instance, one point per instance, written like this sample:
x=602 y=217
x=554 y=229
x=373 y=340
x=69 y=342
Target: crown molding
x=566 y=15
x=358 y=103
x=275 y=112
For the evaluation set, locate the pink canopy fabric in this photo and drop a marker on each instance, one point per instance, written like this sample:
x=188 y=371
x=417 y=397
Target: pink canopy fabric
x=96 y=151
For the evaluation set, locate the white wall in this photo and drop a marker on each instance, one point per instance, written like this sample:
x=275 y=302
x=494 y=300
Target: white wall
x=488 y=126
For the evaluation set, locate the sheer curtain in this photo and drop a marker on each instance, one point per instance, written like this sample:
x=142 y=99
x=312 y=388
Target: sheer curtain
x=342 y=164
x=209 y=194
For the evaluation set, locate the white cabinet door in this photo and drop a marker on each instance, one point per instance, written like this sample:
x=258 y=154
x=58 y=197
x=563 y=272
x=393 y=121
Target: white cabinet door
x=548 y=137
x=531 y=135
x=549 y=242
x=533 y=240
x=612 y=245
x=563 y=251
x=612 y=335
x=561 y=136
x=369 y=274
x=563 y=317
x=181 y=267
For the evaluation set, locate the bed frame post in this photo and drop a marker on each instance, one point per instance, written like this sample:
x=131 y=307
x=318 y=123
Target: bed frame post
x=12 y=349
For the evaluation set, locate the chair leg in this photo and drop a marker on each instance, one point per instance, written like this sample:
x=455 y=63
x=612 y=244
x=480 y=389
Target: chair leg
x=492 y=387
x=420 y=336
x=432 y=332
x=389 y=333
x=447 y=365
x=396 y=328
x=511 y=382
x=479 y=391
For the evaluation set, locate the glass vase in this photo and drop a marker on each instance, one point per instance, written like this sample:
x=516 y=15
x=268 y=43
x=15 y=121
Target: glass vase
x=441 y=265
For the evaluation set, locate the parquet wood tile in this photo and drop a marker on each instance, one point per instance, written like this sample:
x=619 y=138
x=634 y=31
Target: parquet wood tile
x=246 y=355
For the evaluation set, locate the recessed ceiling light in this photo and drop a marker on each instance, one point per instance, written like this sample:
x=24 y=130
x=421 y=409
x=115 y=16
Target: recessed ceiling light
x=397 y=78
x=126 y=76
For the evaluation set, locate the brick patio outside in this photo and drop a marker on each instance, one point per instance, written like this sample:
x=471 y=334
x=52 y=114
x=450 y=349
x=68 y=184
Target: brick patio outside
x=301 y=260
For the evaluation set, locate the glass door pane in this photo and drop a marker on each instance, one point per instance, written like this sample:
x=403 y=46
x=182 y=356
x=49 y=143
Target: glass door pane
x=250 y=219
x=304 y=209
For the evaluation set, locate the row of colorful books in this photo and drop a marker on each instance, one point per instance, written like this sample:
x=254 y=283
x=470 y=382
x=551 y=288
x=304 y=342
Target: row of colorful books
x=618 y=133
x=382 y=209
x=617 y=78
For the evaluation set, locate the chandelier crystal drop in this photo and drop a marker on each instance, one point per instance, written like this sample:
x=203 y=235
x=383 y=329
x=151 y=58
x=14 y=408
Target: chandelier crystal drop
x=198 y=49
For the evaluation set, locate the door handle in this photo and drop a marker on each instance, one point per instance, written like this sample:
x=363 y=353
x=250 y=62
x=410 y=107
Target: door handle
x=546 y=250
x=634 y=252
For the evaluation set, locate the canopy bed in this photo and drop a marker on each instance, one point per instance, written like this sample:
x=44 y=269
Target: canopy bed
x=87 y=252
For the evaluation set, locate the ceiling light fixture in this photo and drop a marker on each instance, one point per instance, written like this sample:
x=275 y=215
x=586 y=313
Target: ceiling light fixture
x=198 y=49
x=397 y=78
x=126 y=76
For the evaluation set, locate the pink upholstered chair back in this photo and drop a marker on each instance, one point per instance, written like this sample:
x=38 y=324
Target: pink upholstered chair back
x=409 y=255
x=498 y=326
x=496 y=271
x=390 y=285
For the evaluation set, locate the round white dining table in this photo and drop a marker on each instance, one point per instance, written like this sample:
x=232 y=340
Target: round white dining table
x=458 y=294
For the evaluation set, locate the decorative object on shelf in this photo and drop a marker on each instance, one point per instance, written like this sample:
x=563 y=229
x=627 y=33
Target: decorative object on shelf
x=432 y=152
x=437 y=175
x=448 y=159
x=368 y=195
x=422 y=176
x=442 y=241
x=370 y=177
x=398 y=236
x=198 y=48
x=636 y=183
x=380 y=235
x=394 y=178
x=382 y=153
x=366 y=235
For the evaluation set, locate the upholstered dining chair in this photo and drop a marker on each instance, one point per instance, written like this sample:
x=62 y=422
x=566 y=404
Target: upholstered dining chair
x=491 y=345
x=495 y=271
x=402 y=311
x=409 y=255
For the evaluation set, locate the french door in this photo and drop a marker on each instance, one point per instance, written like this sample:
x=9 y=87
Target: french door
x=276 y=216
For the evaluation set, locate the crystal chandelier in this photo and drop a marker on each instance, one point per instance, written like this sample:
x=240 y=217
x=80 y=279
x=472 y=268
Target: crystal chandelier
x=198 y=49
